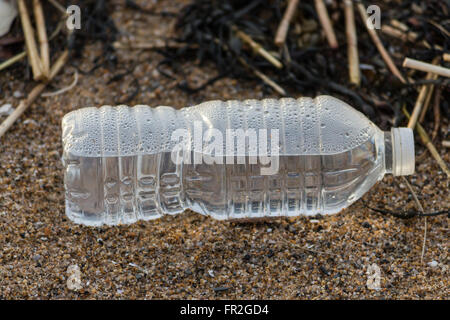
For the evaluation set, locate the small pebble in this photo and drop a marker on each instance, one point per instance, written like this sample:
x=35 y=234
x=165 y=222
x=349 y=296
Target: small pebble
x=373 y=277
x=367 y=225
x=37 y=257
x=17 y=94
x=6 y=109
x=74 y=280
x=27 y=121
x=433 y=264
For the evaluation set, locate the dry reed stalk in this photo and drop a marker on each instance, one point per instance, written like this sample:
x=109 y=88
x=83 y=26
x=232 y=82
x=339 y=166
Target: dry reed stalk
x=399 y=25
x=436 y=113
x=420 y=207
x=58 y=6
x=427 y=67
x=263 y=77
x=12 y=60
x=418 y=106
x=428 y=99
x=30 y=42
x=399 y=34
x=257 y=48
x=258 y=73
x=384 y=54
x=153 y=45
x=326 y=23
x=429 y=144
x=33 y=95
x=283 y=27
x=421 y=100
x=23 y=54
x=352 y=42
x=42 y=36
x=441 y=28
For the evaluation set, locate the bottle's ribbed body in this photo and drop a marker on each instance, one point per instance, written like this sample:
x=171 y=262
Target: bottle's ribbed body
x=120 y=168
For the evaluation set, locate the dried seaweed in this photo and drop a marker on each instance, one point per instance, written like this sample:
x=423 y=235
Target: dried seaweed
x=407 y=214
x=309 y=69
x=97 y=26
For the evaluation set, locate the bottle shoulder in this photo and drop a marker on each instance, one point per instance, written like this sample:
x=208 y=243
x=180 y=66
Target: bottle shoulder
x=303 y=126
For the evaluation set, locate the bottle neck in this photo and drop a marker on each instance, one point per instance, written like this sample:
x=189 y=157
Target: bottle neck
x=388 y=152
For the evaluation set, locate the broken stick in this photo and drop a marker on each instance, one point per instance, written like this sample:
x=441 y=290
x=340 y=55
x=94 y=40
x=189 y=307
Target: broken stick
x=42 y=36
x=384 y=54
x=427 y=67
x=34 y=94
x=30 y=42
x=283 y=28
x=257 y=48
x=352 y=43
x=429 y=144
x=421 y=100
x=326 y=23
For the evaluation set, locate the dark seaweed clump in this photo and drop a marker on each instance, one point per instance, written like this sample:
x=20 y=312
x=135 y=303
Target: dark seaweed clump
x=206 y=27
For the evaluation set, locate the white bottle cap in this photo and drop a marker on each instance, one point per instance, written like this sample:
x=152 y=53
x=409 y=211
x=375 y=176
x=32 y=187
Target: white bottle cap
x=403 y=161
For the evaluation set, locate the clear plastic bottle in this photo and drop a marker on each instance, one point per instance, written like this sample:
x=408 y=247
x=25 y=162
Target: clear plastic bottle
x=122 y=164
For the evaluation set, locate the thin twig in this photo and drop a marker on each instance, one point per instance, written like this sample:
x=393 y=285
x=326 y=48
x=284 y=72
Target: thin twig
x=399 y=25
x=441 y=28
x=419 y=206
x=258 y=73
x=437 y=113
x=58 y=6
x=257 y=48
x=151 y=45
x=24 y=104
x=283 y=27
x=63 y=90
x=427 y=67
x=352 y=43
x=384 y=54
x=263 y=77
x=30 y=42
x=418 y=106
x=326 y=23
x=428 y=99
x=399 y=34
x=429 y=144
x=42 y=35
x=23 y=54
x=12 y=60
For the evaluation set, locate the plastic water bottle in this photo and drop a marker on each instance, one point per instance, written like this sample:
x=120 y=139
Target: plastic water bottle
x=311 y=156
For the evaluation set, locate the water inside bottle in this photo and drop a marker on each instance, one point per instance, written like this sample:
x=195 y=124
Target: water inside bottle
x=119 y=166
x=115 y=190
